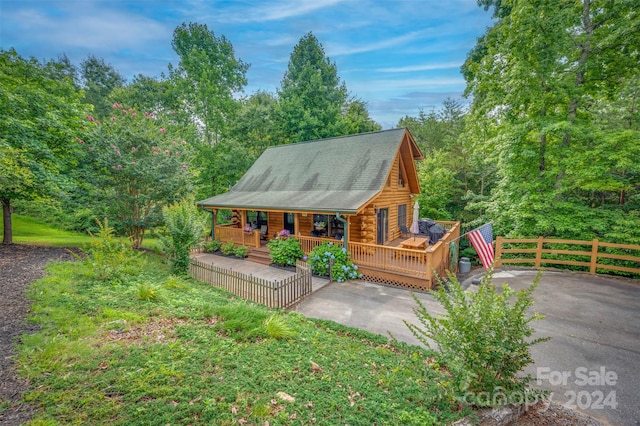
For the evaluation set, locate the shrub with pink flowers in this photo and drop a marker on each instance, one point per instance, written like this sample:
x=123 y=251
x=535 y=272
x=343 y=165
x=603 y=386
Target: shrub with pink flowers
x=141 y=164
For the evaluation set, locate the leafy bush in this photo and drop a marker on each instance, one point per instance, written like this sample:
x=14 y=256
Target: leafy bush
x=328 y=253
x=482 y=339
x=285 y=251
x=185 y=226
x=213 y=245
x=228 y=248
x=108 y=257
x=241 y=252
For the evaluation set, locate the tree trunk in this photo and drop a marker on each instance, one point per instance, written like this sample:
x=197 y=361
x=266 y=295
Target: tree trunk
x=6 y=220
x=585 y=50
x=542 y=149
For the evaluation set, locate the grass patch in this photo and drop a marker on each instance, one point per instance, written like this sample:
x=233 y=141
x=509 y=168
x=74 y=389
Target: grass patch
x=28 y=230
x=198 y=355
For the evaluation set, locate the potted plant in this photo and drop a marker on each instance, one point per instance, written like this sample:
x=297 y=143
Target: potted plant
x=284 y=234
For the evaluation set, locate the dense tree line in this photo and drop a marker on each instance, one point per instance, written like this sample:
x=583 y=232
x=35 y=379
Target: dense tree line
x=550 y=144
x=80 y=143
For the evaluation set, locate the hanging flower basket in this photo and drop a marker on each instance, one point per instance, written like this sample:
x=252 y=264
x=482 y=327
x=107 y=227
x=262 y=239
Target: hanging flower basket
x=320 y=225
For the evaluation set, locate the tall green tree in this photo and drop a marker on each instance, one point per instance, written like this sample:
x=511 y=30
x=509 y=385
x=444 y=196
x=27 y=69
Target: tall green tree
x=99 y=79
x=311 y=96
x=206 y=79
x=40 y=114
x=541 y=76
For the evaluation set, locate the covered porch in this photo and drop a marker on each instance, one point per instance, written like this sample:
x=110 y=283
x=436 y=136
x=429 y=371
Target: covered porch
x=400 y=260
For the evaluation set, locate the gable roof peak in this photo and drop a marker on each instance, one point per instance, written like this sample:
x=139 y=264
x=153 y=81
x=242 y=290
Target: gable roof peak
x=342 y=137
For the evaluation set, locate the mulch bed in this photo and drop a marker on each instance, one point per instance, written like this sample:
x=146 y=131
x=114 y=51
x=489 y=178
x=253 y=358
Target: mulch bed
x=19 y=266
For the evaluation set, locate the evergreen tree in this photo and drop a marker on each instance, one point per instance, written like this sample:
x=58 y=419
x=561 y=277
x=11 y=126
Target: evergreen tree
x=311 y=96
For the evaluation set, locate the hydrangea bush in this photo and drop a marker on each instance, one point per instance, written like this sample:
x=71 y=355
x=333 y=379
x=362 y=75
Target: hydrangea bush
x=285 y=251
x=326 y=254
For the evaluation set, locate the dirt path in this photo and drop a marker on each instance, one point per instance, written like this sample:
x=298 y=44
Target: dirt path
x=19 y=266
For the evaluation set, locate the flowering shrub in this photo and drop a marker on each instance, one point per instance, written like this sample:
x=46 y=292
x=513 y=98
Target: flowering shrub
x=285 y=251
x=141 y=164
x=328 y=253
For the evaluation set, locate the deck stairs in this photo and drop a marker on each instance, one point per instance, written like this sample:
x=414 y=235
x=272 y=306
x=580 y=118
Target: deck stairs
x=259 y=255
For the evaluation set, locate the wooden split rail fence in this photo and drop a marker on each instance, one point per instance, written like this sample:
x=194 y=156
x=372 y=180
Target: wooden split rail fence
x=274 y=294
x=592 y=255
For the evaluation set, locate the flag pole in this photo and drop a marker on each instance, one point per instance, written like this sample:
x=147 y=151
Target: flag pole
x=468 y=232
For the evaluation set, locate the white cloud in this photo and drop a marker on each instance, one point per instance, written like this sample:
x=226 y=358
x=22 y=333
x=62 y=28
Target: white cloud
x=91 y=27
x=426 y=67
x=275 y=11
x=335 y=49
x=410 y=84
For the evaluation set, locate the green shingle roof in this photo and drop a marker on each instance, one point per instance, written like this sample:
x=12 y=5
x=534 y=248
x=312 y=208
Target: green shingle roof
x=337 y=174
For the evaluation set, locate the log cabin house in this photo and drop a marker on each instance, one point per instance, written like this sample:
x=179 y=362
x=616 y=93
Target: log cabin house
x=353 y=190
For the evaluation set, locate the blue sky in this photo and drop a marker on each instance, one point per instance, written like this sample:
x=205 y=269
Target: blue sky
x=399 y=56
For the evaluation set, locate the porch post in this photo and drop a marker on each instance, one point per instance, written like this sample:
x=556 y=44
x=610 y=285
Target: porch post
x=213 y=224
x=345 y=236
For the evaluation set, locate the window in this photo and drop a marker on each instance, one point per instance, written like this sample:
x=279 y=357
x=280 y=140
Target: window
x=256 y=218
x=402 y=214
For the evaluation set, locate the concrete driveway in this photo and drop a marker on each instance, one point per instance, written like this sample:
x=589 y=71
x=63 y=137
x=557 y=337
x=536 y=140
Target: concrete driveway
x=591 y=363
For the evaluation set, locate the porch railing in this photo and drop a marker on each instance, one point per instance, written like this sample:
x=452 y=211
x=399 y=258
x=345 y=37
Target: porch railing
x=228 y=233
x=395 y=259
x=421 y=264
x=309 y=243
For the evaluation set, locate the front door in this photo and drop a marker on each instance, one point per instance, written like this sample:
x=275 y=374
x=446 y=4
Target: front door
x=383 y=226
x=290 y=223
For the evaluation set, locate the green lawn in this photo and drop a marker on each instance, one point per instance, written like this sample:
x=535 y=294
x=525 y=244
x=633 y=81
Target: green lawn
x=28 y=230
x=130 y=344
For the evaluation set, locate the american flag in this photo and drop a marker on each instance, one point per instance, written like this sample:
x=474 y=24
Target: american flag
x=482 y=240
